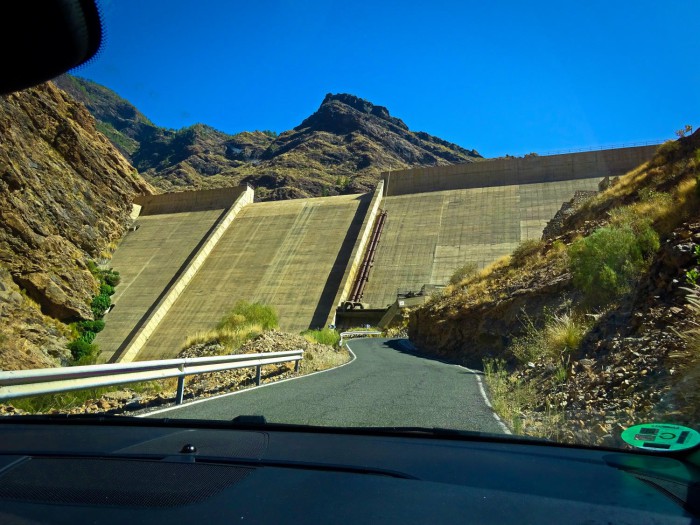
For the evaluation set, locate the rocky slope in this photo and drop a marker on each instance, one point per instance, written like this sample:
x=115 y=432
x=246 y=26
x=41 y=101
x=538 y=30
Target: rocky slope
x=65 y=196
x=635 y=360
x=341 y=148
x=116 y=118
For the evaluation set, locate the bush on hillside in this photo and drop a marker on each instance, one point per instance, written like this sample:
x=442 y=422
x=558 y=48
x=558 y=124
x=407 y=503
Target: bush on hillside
x=463 y=272
x=525 y=251
x=82 y=350
x=324 y=336
x=605 y=264
x=245 y=313
x=556 y=340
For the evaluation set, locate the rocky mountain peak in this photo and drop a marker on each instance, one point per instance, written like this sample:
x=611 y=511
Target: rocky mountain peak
x=341 y=148
x=344 y=113
x=359 y=104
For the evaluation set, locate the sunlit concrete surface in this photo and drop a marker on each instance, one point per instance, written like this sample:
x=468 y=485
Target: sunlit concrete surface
x=147 y=260
x=289 y=254
x=428 y=235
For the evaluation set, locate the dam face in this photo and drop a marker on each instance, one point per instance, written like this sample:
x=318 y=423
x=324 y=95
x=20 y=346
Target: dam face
x=192 y=255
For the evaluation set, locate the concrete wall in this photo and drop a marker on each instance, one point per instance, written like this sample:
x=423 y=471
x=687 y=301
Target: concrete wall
x=149 y=259
x=183 y=201
x=150 y=324
x=514 y=171
x=427 y=236
x=291 y=255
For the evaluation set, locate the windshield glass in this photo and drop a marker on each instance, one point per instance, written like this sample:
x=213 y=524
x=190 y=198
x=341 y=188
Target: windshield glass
x=461 y=216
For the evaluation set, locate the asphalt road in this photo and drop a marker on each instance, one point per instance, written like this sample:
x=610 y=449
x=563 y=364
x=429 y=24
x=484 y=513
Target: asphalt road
x=386 y=385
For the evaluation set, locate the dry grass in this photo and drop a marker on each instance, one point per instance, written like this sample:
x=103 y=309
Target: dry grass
x=496 y=265
x=509 y=395
x=560 y=336
x=692 y=334
x=231 y=339
x=684 y=205
x=527 y=252
x=463 y=274
x=67 y=401
x=626 y=185
x=512 y=398
x=322 y=357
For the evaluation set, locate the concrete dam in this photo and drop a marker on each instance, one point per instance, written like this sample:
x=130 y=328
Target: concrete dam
x=190 y=256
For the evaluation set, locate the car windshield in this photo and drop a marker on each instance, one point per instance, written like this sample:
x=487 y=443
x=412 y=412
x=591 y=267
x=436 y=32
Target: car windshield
x=461 y=215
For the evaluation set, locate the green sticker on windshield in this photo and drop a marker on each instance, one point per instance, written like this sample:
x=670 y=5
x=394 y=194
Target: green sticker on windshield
x=661 y=437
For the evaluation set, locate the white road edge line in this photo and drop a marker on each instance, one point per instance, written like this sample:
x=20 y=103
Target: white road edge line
x=477 y=375
x=479 y=382
x=197 y=401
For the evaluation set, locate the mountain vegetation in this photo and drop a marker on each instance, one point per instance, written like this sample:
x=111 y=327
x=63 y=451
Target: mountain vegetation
x=595 y=327
x=341 y=148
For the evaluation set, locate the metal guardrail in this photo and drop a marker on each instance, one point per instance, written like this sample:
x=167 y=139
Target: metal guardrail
x=358 y=333
x=23 y=383
x=602 y=147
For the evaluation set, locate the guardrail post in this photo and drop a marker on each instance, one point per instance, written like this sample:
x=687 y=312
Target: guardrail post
x=296 y=365
x=180 y=390
x=180 y=387
x=257 y=374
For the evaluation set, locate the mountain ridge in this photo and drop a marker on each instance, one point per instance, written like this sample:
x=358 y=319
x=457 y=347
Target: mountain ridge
x=340 y=148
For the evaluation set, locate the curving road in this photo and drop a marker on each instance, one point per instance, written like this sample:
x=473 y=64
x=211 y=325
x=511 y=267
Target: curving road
x=386 y=385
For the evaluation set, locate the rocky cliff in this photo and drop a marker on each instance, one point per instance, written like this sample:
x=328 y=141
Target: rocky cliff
x=65 y=196
x=341 y=148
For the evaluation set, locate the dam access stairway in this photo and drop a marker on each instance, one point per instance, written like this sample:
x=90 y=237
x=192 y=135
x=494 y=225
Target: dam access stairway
x=190 y=256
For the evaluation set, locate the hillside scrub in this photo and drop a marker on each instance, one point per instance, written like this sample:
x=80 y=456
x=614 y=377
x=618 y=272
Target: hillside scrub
x=607 y=263
x=590 y=329
x=245 y=321
x=245 y=313
x=463 y=273
x=324 y=336
x=556 y=340
x=82 y=348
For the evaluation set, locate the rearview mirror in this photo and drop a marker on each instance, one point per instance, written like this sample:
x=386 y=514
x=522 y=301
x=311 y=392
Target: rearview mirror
x=45 y=38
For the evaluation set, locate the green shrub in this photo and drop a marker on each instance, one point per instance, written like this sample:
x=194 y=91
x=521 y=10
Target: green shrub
x=463 y=272
x=92 y=266
x=111 y=277
x=245 y=313
x=81 y=349
x=106 y=289
x=324 y=336
x=87 y=336
x=91 y=326
x=243 y=323
x=605 y=264
x=665 y=152
x=100 y=304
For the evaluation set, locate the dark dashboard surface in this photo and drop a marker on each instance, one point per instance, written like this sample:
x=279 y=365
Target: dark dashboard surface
x=106 y=473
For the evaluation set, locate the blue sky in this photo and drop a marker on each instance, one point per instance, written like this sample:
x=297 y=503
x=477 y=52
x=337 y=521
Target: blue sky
x=506 y=77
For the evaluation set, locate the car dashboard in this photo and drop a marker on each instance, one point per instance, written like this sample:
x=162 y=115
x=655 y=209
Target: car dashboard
x=105 y=472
